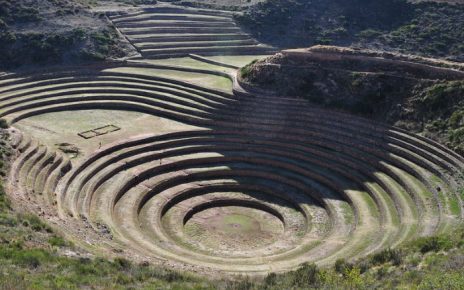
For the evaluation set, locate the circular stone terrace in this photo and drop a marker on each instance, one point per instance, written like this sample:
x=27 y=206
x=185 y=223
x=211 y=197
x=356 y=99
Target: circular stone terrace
x=164 y=158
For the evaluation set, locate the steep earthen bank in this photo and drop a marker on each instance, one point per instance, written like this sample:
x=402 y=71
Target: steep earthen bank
x=418 y=94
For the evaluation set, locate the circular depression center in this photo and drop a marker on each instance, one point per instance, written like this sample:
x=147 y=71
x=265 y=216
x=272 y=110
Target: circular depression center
x=233 y=224
x=232 y=228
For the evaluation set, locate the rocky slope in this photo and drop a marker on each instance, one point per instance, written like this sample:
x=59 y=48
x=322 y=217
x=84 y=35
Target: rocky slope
x=418 y=94
x=427 y=28
x=59 y=31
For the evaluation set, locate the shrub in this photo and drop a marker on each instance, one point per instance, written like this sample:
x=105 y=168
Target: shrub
x=246 y=70
x=86 y=267
x=123 y=279
x=8 y=220
x=353 y=278
x=438 y=95
x=369 y=33
x=306 y=275
x=122 y=263
x=243 y=284
x=4 y=201
x=457 y=118
x=3 y=124
x=271 y=279
x=433 y=244
x=32 y=258
x=57 y=241
x=323 y=40
x=386 y=256
x=341 y=266
x=32 y=221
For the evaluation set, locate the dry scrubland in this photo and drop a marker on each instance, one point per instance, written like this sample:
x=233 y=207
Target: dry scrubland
x=148 y=171
x=48 y=32
x=427 y=28
x=421 y=95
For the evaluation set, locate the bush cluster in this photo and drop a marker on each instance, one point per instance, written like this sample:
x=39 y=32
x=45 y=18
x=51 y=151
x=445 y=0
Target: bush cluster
x=12 y=11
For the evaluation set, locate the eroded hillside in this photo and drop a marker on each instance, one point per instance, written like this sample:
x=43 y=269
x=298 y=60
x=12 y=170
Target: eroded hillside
x=417 y=94
x=425 y=28
x=38 y=32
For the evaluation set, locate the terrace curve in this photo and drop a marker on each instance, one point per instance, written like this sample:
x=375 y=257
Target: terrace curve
x=308 y=184
x=253 y=184
x=168 y=31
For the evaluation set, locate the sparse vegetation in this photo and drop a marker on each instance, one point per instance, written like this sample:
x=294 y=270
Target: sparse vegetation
x=416 y=103
x=134 y=2
x=53 y=48
x=443 y=107
x=28 y=262
x=22 y=44
x=72 y=46
x=178 y=196
x=232 y=5
x=246 y=70
x=11 y=11
x=30 y=258
x=426 y=28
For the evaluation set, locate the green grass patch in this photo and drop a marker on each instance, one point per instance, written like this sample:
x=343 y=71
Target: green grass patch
x=57 y=241
x=33 y=222
x=433 y=244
